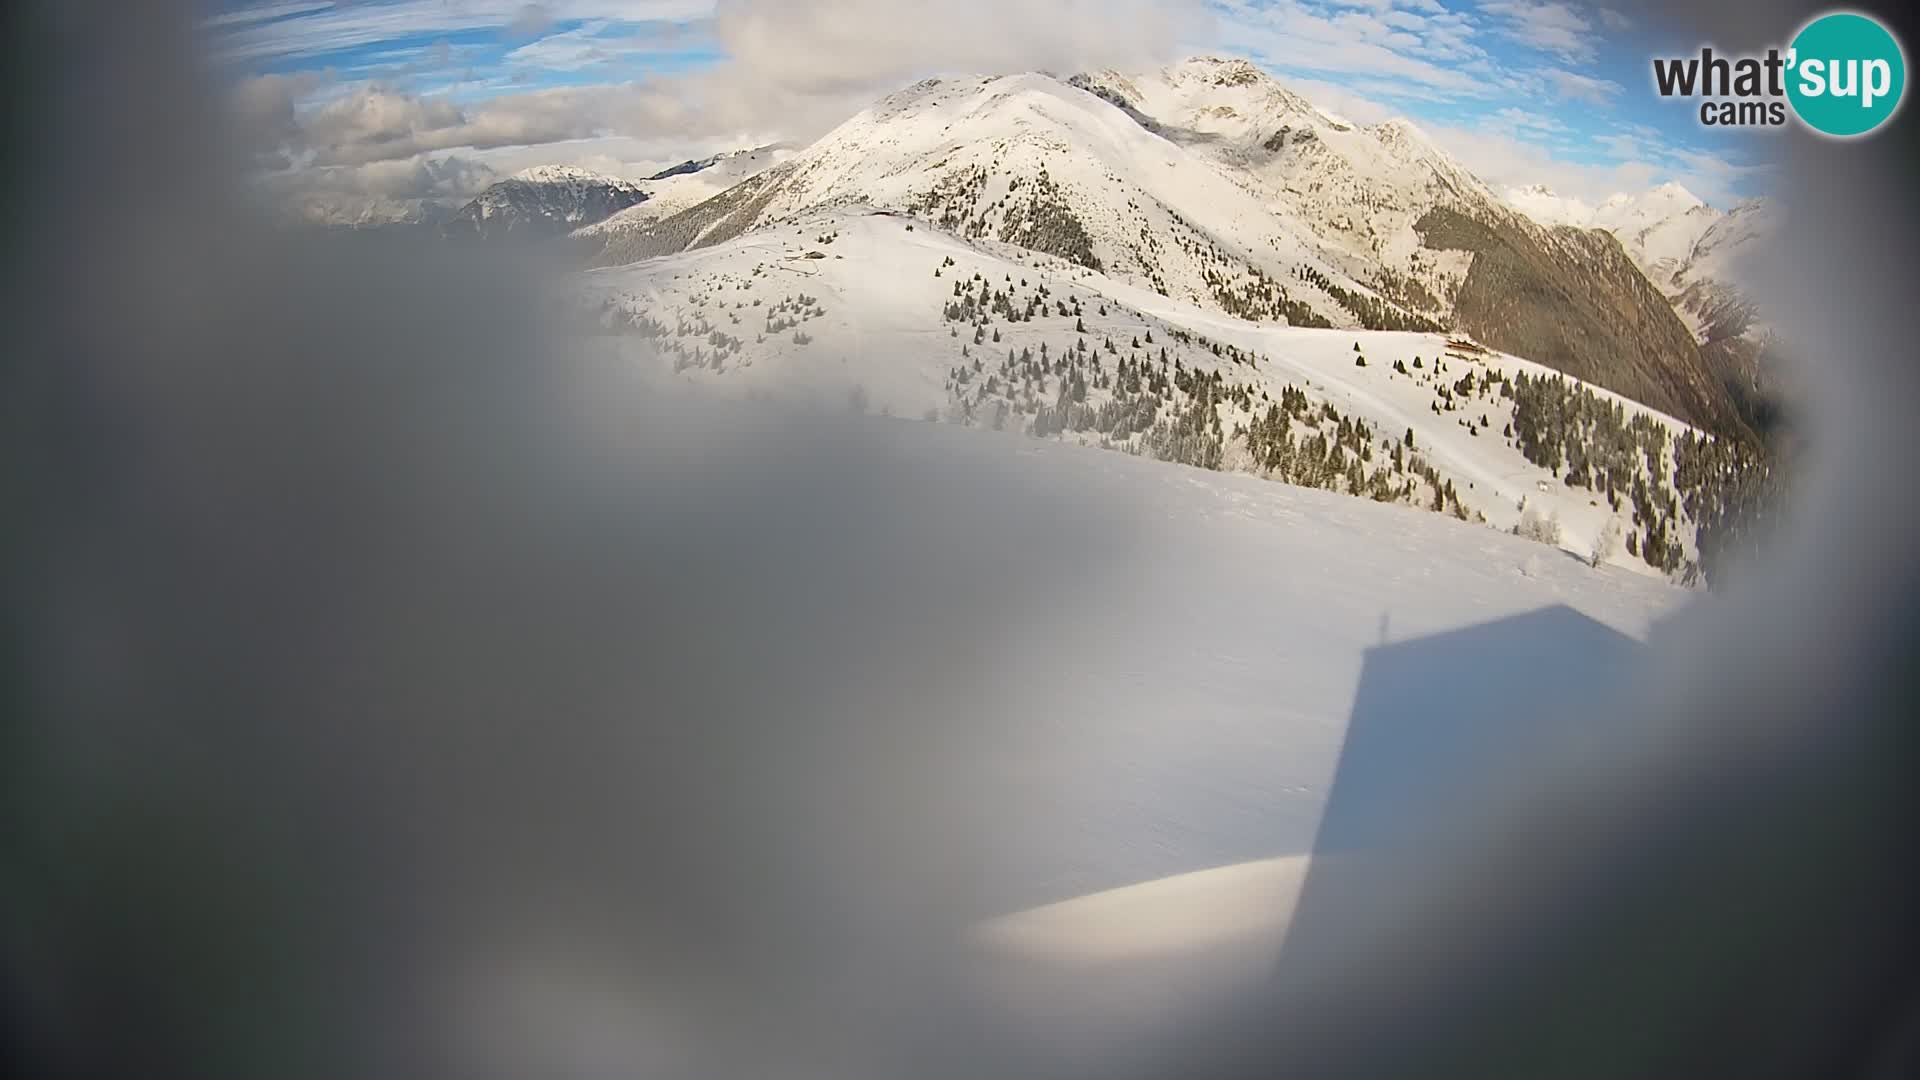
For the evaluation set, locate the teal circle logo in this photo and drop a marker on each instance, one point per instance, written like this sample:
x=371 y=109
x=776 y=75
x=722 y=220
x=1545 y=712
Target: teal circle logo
x=1846 y=74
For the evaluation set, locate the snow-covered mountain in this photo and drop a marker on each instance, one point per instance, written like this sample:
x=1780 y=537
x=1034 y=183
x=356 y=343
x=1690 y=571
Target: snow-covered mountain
x=1031 y=161
x=1710 y=283
x=879 y=308
x=1691 y=251
x=1393 y=210
x=363 y=213
x=1548 y=207
x=735 y=158
x=546 y=200
x=1712 y=291
x=1210 y=184
x=686 y=185
x=1659 y=228
x=1701 y=258
x=1357 y=190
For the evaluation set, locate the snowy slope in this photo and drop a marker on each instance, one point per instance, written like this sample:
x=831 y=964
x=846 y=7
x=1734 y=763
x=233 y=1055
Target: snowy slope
x=857 y=304
x=1248 y=619
x=1031 y=160
x=1713 y=291
x=1694 y=253
x=1659 y=228
x=1391 y=209
x=684 y=186
x=1164 y=686
x=1356 y=189
x=1210 y=184
x=1711 y=284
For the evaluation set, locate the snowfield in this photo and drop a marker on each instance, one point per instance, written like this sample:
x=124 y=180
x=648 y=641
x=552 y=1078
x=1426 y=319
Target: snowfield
x=951 y=724
x=858 y=304
x=1147 y=750
x=1156 y=821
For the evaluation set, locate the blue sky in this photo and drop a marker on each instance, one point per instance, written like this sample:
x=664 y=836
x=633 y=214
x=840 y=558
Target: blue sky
x=1523 y=91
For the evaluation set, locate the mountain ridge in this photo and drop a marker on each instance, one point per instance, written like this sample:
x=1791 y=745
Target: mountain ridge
x=1210 y=182
x=1698 y=256
x=542 y=201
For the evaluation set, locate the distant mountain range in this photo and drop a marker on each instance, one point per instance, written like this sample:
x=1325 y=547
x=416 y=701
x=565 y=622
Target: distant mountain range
x=547 y=200
x=1700 y=258
x=552 y=200
x=685 y=185
x=1209 y=182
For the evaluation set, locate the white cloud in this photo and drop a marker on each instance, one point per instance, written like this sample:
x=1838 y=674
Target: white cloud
x=1719 y=177
x=874 y=45
x=570 y=50
x=265 y=115
x=532 y=20
x=1566 y=85
x=1422 y=49
x=380 y=189
x=263 y=13
x=1546 y=25
x=1509 y=149
x=590 y=45
x=319 y=31
x=1343 y=101
x=790 y=70
x=370 y=123
x=1521 y=120
x=1508 y=159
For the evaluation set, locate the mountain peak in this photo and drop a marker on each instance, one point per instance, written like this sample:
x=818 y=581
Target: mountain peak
x=564 y=174
x=542 y=201
x=1399 y=129
x=1228 y=71
x=1549 y=207
x=1673 y=191
x=698 y=165
x=1209 y=184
